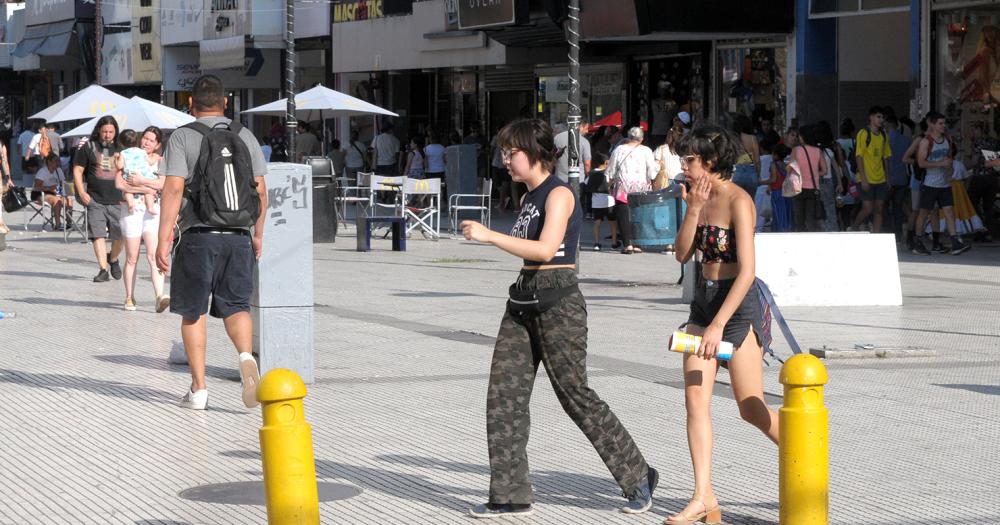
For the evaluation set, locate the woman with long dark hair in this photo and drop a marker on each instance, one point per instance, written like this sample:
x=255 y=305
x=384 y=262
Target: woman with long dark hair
x=719 y=223
x=545 y=322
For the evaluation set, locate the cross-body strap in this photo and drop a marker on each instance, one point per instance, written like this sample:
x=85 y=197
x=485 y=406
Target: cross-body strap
x=768 y=298
x=812 y=174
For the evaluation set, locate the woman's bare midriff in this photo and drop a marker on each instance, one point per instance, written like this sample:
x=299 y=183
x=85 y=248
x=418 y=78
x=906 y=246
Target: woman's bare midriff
x=720 y=271
x=548 y=267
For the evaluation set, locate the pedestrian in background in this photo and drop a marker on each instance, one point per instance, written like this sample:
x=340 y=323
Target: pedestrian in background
x=338 y=158
x=746 y=174
x=94 y=175
x=354 y=157
x=385 y=151
x=6 y=178
x=545 y=322
x=829 y=184
x=719 y=223
x=808 y=206
x=630 y=169
x=873 y=153
x=212 y=262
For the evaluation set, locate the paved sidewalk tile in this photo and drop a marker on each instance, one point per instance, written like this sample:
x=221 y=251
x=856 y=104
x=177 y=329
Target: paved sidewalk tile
x=92 y=432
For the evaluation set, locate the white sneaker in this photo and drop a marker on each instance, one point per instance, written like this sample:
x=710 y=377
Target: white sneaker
x=249 y=377
x=195 y=400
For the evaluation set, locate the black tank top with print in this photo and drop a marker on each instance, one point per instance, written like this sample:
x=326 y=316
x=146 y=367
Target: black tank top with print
x=531 y=220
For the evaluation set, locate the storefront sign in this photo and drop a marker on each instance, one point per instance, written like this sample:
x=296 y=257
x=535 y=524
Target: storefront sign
x=556 y=89
x=182 y=21
x=146 y=42
x=181 y=68
x=474 y=14
x=46 y=11
x=358 y=10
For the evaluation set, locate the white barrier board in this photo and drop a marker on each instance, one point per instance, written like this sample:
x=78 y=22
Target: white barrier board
x=830 y=269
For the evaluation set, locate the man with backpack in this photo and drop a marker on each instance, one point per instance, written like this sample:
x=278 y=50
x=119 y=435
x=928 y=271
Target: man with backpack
x=217 y=168
x=873 y=153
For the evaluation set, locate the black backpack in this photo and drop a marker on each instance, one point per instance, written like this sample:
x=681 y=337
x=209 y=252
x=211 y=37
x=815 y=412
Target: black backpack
x=223 y=192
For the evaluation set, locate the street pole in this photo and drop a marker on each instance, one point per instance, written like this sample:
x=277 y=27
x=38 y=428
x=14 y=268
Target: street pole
x=98 y=40
x=291 y=123
x=573 y=99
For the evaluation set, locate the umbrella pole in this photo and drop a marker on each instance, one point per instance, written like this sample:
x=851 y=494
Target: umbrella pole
x=323 y=120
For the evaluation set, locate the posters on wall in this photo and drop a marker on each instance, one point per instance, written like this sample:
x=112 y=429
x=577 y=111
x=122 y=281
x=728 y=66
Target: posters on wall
x=116 y=60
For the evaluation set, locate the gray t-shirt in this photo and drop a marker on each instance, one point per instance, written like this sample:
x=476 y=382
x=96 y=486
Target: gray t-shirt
x=562 y=164
x=182 y=155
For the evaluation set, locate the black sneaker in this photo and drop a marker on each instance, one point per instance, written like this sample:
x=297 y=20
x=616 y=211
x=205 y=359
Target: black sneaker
x=958 y=247
x=499 y=510
x=102 y=276
x=116 y=269
x=597 y=246
x=939 y=248
x=615 y=245
x=642 y=499
x=919 y=248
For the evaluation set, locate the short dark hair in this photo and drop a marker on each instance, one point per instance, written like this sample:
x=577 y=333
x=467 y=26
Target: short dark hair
x=713 y=144
x=128 y=138
x=933 y=116
x=95 y=136
x=208 y=93
x=532 y=136
x=335 y=143
x=847 y=127
x=418 y=139
x=875 y=110
x=781 y=151
x=742 y=124
x=809 y=135
x=52 y=157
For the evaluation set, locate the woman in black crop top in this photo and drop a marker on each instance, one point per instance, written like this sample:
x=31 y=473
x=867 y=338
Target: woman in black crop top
x=719 y=223
x=545 y=322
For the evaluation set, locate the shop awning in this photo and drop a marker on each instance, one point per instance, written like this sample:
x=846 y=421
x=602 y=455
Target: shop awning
x=46 y=39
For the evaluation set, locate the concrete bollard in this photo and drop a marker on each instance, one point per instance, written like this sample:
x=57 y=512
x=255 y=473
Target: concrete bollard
x=286 y=451
x=803 y=449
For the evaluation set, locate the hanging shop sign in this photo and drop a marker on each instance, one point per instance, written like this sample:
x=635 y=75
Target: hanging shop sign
x=261 y=69
x=477 y=14
x=146 y=42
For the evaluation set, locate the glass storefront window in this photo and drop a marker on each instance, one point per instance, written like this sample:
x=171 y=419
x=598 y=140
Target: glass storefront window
x=752 y=83
x=966 y=57
x=600 y=96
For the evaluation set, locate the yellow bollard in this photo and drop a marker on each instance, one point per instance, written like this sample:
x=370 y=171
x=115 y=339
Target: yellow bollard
x=803 y=450
x=286 y=451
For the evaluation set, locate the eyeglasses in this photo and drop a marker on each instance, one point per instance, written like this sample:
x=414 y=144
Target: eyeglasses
x=506 y=154
x=688 y=159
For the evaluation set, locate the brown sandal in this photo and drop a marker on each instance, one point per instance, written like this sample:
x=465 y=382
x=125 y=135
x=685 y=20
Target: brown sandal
x=711 y=516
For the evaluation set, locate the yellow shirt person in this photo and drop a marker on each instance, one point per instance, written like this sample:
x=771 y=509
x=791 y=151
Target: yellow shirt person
x=873 y=148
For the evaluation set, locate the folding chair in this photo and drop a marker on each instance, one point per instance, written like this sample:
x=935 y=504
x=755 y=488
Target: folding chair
x=425 y=210
x=471 y=202
x=383 y=183
x=76 y=217
x=38 y=208
x=356 y=192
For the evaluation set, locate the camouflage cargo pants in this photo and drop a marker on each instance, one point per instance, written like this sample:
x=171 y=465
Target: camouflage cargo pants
x=558 y=339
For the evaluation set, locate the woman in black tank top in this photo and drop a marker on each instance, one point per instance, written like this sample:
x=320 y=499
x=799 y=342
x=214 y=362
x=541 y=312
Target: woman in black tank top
x=545 y=322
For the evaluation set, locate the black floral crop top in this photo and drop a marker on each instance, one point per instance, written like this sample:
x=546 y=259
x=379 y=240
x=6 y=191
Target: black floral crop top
x=717 y=245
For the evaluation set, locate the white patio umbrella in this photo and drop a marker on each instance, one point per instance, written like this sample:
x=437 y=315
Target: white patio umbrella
x=138 y=114
x=86 y=103
x=319 y=103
